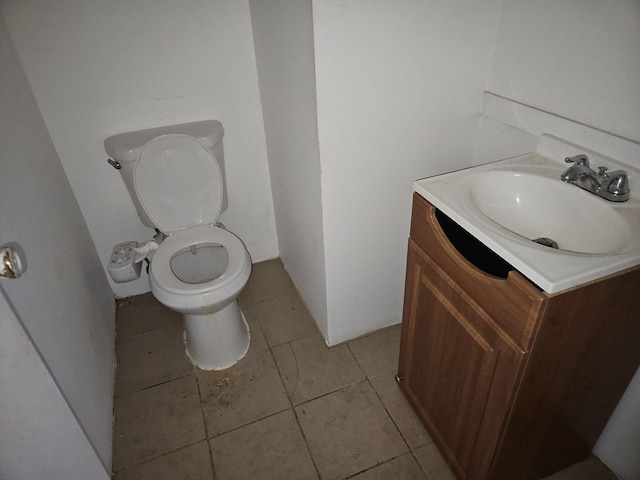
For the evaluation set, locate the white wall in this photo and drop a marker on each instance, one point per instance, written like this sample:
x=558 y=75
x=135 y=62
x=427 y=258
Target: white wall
x=575 y=58
x=569 y=68
x=619 y=444
x=399 y=86
x=508 y=128
x=283 y=39
x=97 y=68
x=60 y=311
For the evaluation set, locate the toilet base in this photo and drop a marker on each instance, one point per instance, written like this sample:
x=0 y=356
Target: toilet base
x=218 y=340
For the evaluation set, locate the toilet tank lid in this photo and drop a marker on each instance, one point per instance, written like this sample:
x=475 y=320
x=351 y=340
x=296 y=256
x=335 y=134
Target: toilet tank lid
x=127 y=146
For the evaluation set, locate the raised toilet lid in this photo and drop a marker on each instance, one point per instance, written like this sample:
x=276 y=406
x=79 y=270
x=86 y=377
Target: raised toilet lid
x=178 y=182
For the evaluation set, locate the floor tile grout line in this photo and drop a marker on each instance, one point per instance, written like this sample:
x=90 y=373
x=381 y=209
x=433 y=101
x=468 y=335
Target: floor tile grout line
x=143 y=334
x=249 y=423
x=118 y=396
x=331 y=392
x=306 y=443
x=350 y=476
x=293 y=409
x=292 y=340
x=364 y=372
x=206 y=428
x=289 y=293
x=410 y=449
x=155 y=457
x=368 y=379
x=389 y=414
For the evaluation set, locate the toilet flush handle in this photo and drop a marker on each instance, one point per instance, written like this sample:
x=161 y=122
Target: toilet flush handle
x=114 y=163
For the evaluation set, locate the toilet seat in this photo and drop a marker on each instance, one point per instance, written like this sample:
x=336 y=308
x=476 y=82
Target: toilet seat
x=162 y=275
x=179 y=184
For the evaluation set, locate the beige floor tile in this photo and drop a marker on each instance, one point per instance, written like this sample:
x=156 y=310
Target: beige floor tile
x=258 y=340
x=141 y=314
x=432 y=463
x=310 y=369
x=188 y=463
x=268 y=279
x=378 y=352
x=272 y=448
x=248 y=391
x=401 y=468
x=160 y=430
x=244 y=299
x=150 y=359
x=156 y=421
x=284 y=319
x=398 y=407
x=349 y=431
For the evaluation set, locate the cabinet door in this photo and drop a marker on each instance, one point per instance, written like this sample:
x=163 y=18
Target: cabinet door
x=456 y=369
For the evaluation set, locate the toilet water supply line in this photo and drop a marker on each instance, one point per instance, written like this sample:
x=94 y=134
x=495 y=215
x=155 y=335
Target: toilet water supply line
x=145 y=250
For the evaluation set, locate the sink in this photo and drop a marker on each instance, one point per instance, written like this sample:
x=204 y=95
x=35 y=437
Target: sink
x=510 y=204
x=536 y=207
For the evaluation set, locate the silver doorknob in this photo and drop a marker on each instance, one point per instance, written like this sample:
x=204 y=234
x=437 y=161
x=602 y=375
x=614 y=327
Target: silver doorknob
x=12 y=262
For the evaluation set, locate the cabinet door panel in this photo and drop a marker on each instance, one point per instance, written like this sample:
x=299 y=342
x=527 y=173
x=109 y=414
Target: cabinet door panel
x=458 y=371
x=452 y=371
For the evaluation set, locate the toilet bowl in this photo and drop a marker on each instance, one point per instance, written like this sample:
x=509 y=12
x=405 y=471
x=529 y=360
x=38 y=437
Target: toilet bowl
x=200 y=268
x=200 y=272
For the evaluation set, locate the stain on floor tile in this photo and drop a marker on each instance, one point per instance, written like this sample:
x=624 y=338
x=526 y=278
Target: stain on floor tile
x=248 y=391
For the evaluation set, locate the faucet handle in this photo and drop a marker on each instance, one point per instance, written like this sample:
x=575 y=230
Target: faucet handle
x=620 y=183
x=580 y=159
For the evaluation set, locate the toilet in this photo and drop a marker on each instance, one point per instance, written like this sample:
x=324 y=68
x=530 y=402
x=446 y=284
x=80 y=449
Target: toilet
x=197 y=267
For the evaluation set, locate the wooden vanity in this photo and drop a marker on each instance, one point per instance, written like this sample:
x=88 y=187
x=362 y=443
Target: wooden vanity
x=511 y=382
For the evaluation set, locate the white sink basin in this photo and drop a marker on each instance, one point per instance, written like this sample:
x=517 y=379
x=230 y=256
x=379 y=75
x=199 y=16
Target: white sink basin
x=508 y=204
x=536 y=207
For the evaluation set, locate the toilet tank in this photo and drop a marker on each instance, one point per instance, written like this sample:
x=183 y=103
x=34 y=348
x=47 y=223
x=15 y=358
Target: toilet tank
x=125 y=148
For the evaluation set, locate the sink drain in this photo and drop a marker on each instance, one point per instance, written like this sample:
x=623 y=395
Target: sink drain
x=547 y=242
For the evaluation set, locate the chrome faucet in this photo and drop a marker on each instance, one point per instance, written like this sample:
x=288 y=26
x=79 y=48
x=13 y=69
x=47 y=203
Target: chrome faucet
x=612 y=186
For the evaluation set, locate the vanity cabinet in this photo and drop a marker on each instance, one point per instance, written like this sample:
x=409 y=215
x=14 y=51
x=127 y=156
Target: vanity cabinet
x=510 y=382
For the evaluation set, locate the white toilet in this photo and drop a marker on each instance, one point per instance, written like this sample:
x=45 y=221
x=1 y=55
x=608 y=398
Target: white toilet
x=175 y=178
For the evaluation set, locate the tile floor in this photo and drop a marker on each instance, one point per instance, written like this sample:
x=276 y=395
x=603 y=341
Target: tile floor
x=291 y=409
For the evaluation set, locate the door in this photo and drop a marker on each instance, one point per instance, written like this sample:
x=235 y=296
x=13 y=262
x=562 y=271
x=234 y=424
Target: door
x=35 y=415
x=62 y=309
